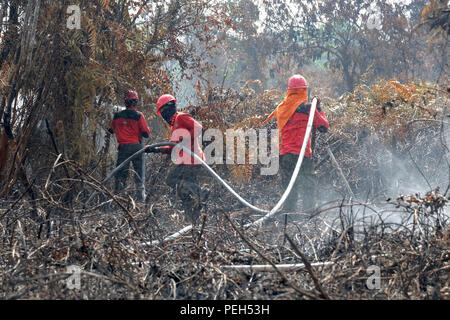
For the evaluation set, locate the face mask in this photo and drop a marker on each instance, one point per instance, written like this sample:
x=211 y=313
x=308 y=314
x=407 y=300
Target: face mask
x=131 y=103
x=168 y=112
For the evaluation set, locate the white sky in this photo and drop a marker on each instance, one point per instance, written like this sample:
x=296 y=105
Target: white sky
x=293 y=6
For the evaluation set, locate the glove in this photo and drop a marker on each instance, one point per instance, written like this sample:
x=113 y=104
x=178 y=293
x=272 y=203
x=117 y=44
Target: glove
x=318 y=104
x=305 y=107
x=322 y=129
x=152 y=150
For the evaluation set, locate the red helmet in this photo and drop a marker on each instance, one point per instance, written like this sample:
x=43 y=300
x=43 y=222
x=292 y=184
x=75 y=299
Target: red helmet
x=163 y=100
x=296 y=82
x=131 y=95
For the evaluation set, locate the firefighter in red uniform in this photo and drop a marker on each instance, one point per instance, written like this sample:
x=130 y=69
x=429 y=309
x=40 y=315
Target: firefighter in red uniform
x=183 y=178
x=130 y=126
x=292 y=118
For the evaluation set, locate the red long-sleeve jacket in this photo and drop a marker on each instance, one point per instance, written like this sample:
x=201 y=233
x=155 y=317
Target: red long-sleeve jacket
x=293 y=133
x=184 y=127
x=129 y=125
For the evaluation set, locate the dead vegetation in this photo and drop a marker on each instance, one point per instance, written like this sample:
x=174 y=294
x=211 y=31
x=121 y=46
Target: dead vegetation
x=46 y=227
x=387 y=148
x=117 y=261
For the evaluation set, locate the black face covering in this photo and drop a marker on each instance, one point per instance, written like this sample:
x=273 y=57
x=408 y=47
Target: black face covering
x=131 y=103
x=168 y=111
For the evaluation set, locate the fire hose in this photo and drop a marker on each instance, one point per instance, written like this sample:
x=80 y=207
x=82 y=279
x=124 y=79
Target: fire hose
x=268 y=213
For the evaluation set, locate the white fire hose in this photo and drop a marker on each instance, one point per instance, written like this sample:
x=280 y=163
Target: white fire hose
x=268 y=213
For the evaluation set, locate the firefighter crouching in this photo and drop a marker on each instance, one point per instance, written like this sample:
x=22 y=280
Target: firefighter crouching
x=184 y=177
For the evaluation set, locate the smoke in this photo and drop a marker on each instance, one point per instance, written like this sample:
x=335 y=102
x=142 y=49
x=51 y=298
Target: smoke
x=400 y=174
x=378 y=171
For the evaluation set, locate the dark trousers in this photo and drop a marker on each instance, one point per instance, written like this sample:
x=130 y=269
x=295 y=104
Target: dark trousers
x=305 y=183
x=125 y=151
x=185 y=180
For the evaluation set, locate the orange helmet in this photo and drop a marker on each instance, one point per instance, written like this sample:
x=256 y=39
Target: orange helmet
x=163 y=100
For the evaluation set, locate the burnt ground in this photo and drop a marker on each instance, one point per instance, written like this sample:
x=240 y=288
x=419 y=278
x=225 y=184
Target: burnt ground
x=120 y=249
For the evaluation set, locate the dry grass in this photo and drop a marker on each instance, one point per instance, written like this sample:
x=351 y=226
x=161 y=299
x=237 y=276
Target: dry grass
x=44 y=226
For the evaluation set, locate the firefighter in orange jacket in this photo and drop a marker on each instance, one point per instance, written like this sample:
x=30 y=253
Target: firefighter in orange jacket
x=183 y=178
x=292 y=116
